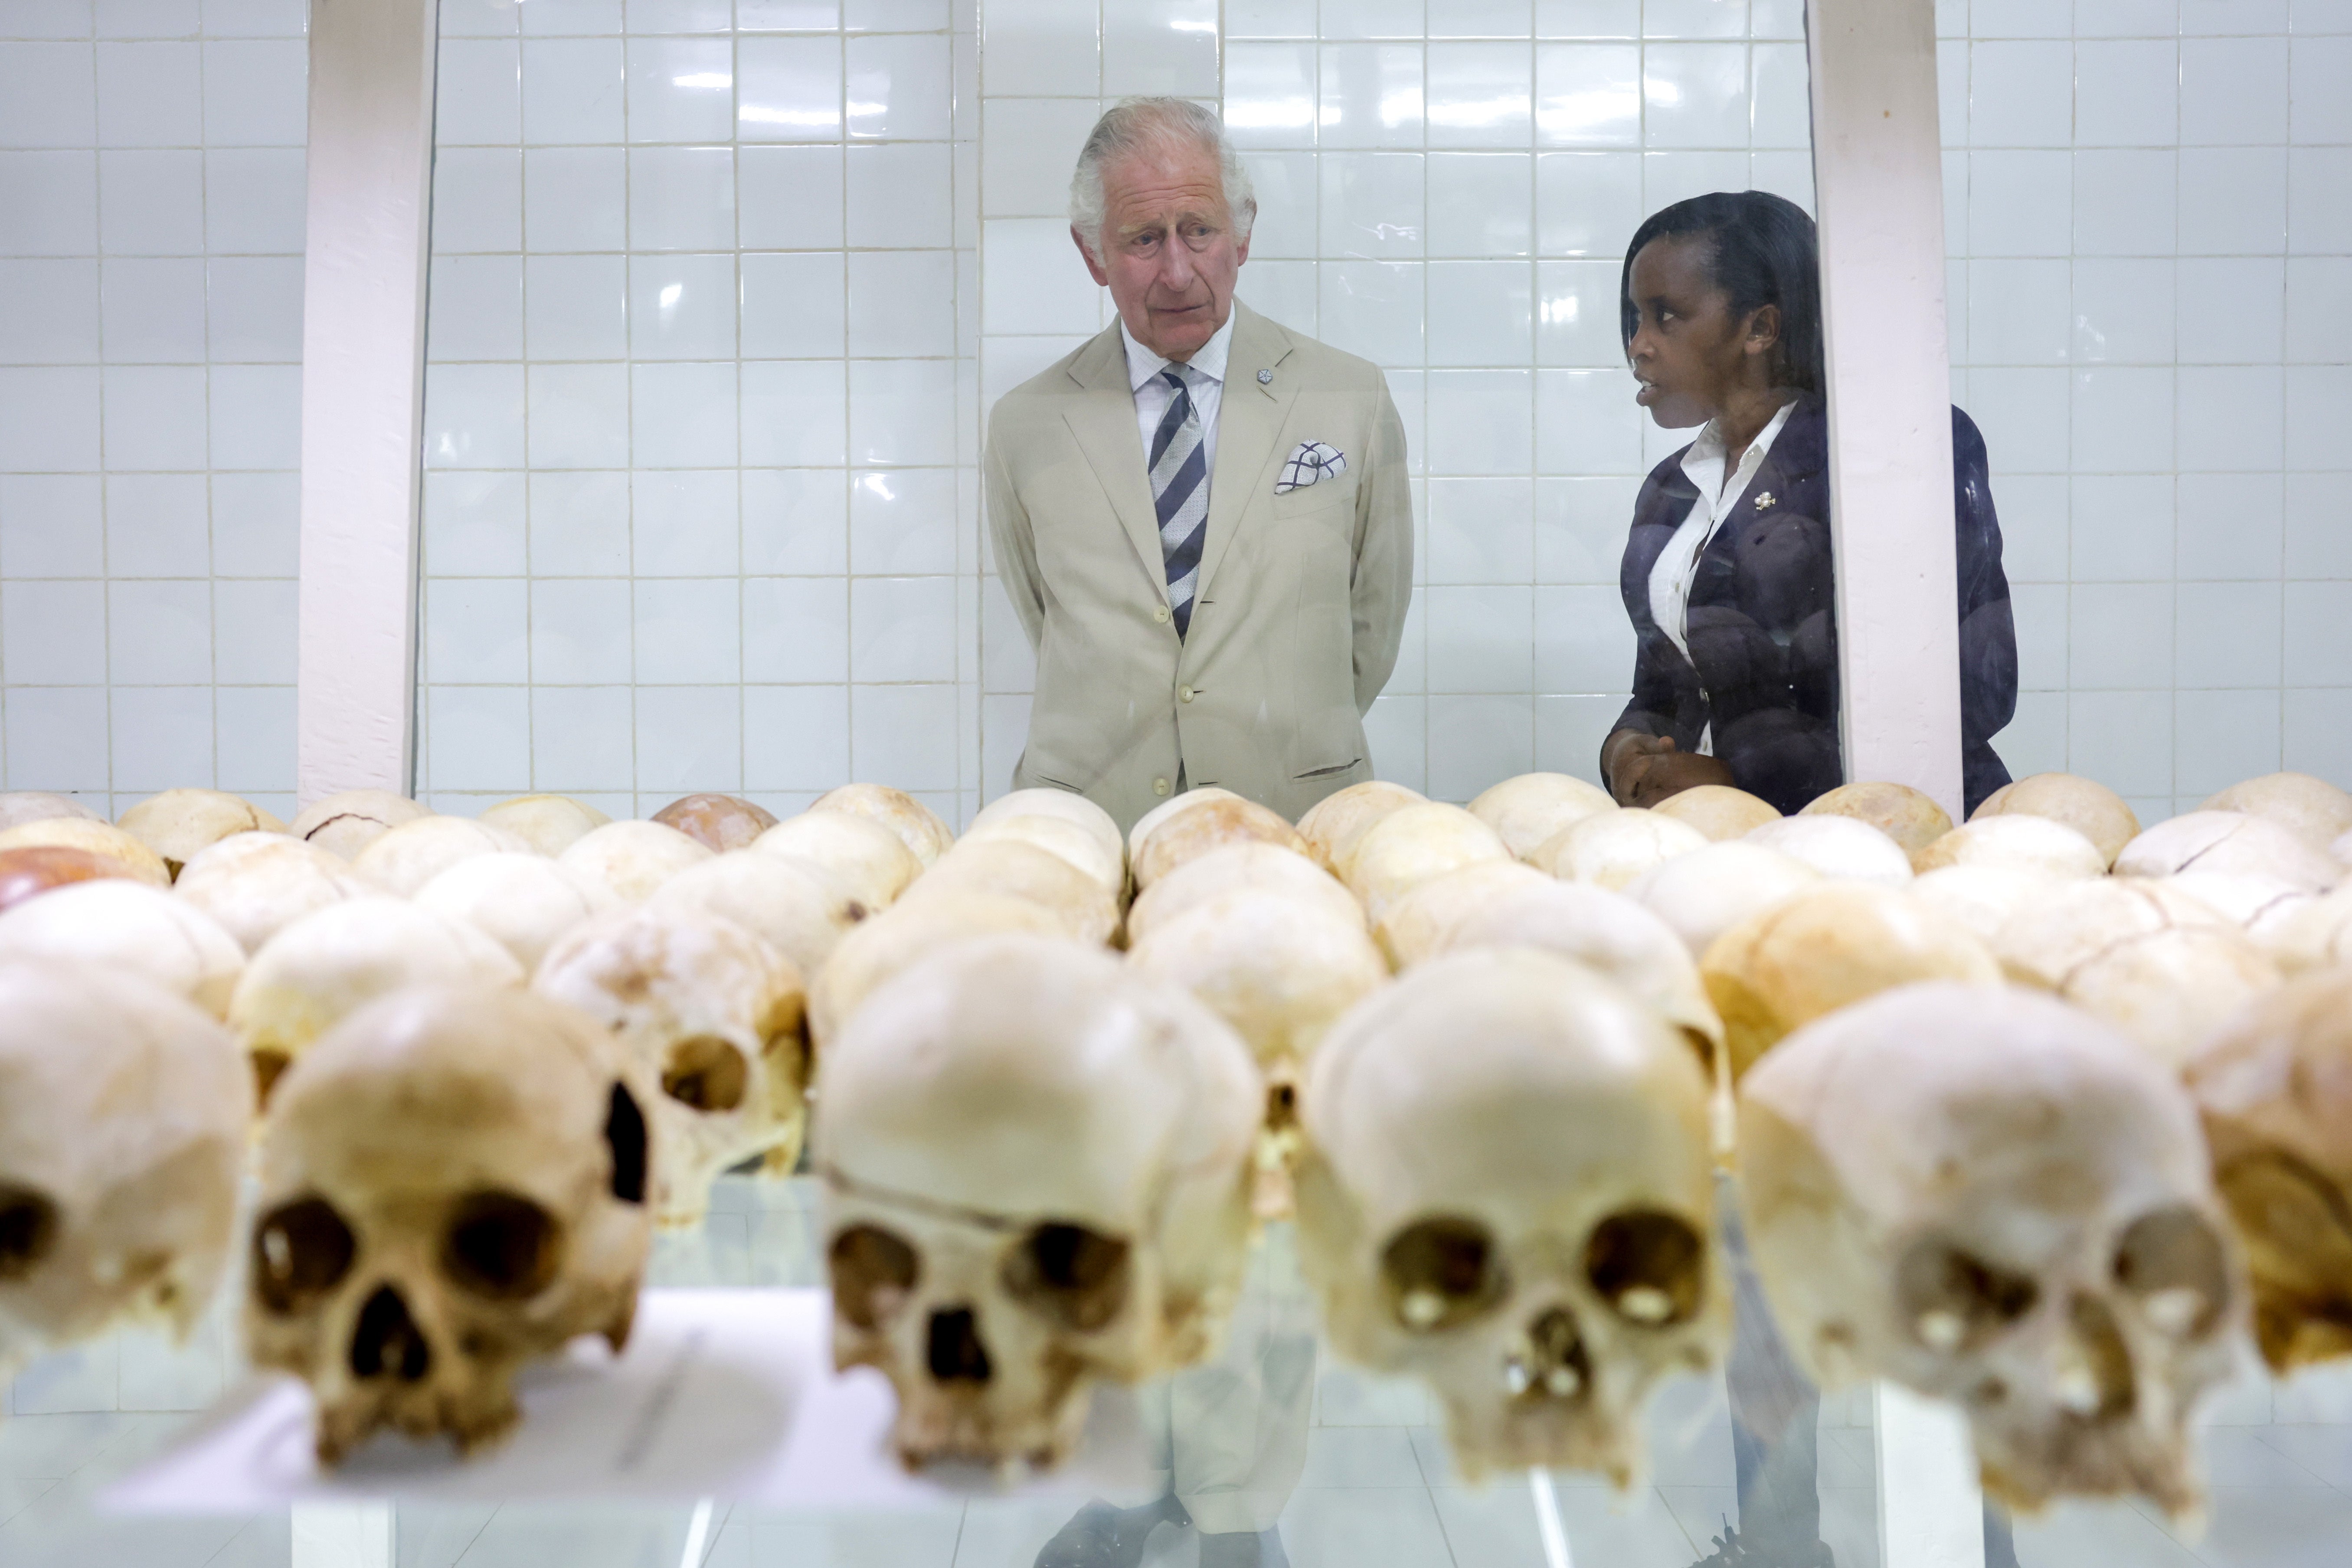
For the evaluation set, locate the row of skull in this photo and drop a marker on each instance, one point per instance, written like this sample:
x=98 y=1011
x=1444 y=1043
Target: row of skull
x=1043 y=1160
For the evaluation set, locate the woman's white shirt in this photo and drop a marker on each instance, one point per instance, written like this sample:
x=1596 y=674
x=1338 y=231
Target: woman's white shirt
x=1678 y=563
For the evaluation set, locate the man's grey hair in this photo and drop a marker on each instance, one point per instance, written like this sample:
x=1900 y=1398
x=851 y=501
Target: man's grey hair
x=1137 y=124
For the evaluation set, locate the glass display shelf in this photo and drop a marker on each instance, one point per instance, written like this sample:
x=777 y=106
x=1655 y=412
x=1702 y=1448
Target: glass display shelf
x=1377 y=1487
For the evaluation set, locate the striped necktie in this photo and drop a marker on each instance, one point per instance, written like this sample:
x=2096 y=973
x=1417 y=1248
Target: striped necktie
x=1179 y=489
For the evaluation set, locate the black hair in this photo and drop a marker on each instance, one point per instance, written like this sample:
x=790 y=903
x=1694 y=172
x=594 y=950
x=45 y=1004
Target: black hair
x=1761 y=251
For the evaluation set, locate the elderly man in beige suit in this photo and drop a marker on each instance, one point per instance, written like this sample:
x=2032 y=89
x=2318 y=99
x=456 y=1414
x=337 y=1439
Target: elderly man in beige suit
x=1202 y=518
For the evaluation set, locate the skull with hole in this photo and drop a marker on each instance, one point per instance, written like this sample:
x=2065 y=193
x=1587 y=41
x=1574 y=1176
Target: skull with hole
x=1992 y=1198
x=1507 y=1193
x=917 y=824
x=1333 y=824
x=178 y=822
x=257 y=884
x=1037 y=1175
x=712 y=1013
x=2275 y=1092
x=716 y=822
x=122 y=1132
x=1528 y=809
x=325 y=965
x=453 y=1184
x=1909 y=816
x=2087 y=805
x=346 y=823
x=550 y=823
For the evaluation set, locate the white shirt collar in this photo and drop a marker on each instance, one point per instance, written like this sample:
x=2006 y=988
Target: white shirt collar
x=1142 y=364
x=1704 y=460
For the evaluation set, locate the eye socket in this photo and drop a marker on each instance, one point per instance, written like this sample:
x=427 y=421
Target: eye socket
x=872 y=1271
x=501 y=1246
x=29 y=1230
x=1077 y=1277
x=707 y=1073
x=1649 y=1265
x=301 y=1251
x=625 y=1137
x=2172 y=1261
x=1441 y=1273
x=1954 y=1300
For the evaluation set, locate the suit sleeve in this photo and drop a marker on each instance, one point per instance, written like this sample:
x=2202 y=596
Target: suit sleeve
x=1382 y=588
x=1987 y=632
x=1015 y=545
x=1650 y=709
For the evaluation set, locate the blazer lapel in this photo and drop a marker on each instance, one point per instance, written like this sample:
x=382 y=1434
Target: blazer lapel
x=1249 y=423
x=1103 y=420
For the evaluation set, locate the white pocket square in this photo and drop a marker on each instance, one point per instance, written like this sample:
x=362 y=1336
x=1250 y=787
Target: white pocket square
x=1313 y=461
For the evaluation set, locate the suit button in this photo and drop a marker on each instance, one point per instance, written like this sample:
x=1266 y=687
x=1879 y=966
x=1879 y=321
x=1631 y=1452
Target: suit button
x=1160 y=786
x=1183 y=694
x=1160 y=615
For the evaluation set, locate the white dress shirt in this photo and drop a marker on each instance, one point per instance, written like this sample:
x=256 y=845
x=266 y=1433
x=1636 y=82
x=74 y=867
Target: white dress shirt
x=1678 y=563
x=1153 y=394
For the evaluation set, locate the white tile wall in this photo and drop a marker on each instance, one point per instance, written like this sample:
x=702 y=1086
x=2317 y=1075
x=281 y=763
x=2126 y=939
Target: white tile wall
x=701 y=400
x=2153 y=341
x=150 y=238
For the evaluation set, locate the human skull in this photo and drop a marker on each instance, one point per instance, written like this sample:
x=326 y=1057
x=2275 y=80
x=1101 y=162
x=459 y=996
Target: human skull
x=452 y=1184
x=2140 y=954
x=123 y=1130
x=2312 y=809
x=716 y=822
x=35 y=870
x=796 y=906
x=2087 y=805
x=129 y=927
x=917 y=824
x=1176 y=806
x=1705 y=893
x=2231 y=843
x=1413 y=924
x=989 y=867
x=525 y=903
x=1992 y=1198
x=1158 y=847
x=347 y=823
x=1825 y=949
x=1507 y=1193
x=321 y=967
x=633 y=858
x=715 y=1015
x=1333 y=824
x=1528 y=809
x=1037 y=1175
x=2260 y=906
x=100 y=838
x=550 y=823
x=413 y=854
x=1718 y=811
x=865 y=857
x=1842 y=848
x=1909 y=816
x=905 y=935
x=24 y=806
x=1058 y=835
x=2275 y=1092
x=1984 y=898
x=2028 y=843
x=180 y=822
x=1260 y=868
x=1611 y=848
x=1412 y=845
x=1058 y=803
x=257 y=884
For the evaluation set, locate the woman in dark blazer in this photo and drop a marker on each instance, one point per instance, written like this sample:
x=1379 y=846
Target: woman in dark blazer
x=1721 y=317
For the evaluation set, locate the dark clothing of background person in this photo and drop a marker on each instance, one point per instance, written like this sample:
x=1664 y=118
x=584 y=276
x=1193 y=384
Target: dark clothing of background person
x=1763 y=665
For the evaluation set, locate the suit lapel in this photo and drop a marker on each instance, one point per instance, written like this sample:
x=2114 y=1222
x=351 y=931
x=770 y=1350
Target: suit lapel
x=1103 y=419
x=1249 y=423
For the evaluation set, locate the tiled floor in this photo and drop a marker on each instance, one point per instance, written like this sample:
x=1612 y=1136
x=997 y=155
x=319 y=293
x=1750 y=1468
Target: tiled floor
x=1379 y=1490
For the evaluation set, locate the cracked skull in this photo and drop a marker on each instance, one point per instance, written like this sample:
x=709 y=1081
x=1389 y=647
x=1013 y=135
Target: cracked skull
x=1037 y=1175
x=453 y=1182
x=1508 y=1193
x=1992 y=1198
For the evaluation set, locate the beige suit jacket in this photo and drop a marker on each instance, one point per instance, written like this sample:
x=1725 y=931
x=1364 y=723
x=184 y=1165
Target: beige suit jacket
x=1300 y=601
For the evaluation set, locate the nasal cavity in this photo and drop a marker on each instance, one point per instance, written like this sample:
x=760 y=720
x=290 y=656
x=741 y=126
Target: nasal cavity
x=955 y=1352
x=388 y=1343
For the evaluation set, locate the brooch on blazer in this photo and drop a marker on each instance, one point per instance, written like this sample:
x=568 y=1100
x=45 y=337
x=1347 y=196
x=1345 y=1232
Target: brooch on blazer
x=1763 y=500
x=1312 y=461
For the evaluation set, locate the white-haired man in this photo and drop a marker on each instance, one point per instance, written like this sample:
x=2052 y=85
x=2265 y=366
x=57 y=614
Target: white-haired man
x=1202 y=518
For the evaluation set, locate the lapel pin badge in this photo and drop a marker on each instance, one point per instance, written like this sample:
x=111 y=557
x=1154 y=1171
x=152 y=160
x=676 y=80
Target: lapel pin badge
x=1265 y=378
x=1763 y=500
